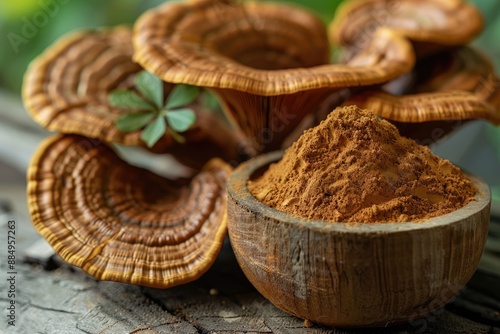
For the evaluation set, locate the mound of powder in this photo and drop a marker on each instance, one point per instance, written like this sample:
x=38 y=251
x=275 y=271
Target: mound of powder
x=355 y=167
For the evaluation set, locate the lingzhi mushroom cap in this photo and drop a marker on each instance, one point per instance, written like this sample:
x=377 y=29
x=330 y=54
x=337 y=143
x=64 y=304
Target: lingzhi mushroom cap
x=123 y=223
x=268 y=62
x=66 y=89
x=427 y=23
x=456 y=84
x=261 y=48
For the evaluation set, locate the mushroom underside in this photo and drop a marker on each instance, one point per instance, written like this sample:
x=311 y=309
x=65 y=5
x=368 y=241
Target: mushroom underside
x=258 y=58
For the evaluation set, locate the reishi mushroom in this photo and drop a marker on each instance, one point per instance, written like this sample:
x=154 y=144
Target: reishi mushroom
x=267 y=62
x=123 y=223
x=431 y=25
x=456 y=84
x=66 y=89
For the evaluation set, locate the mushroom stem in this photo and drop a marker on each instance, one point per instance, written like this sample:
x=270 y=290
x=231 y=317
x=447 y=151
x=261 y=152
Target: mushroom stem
x=268 y=120
x=267 y=62
x=212 y=137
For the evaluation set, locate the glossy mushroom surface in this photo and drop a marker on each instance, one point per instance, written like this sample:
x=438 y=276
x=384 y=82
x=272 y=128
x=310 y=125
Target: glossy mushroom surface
x=353 y=274
x=66 y=89
x=268 y=62
x=123 y=223
x=429 y=24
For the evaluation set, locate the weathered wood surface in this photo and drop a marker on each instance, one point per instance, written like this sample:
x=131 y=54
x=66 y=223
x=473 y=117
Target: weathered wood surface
x=66 y=300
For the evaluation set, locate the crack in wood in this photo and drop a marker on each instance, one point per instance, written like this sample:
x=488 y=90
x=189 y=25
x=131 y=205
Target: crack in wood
x=181 y=316
x=140 y=330
x=30 y=304
x=191 y=309
x=50 y=309
x=83 y=330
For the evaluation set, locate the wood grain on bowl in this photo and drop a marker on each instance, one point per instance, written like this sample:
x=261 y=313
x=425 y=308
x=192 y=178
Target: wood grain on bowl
x=352 y=274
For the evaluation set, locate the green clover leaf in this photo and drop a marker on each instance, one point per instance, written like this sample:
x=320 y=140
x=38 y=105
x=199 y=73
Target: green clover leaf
x=181 y=96
x=180 y=119
x=154 y=131
x=125 y=99
x=133 y=122
x=151 y=87
x=148 y=112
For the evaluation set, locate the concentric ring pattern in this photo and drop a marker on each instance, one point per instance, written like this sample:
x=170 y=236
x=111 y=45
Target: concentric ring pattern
x=122 y=223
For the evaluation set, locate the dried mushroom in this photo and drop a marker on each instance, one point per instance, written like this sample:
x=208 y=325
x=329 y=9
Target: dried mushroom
x=456 y=84
x=123 y=223
x=429 y=24
x=67 y=89
x=426 y=107
x=267 y=62
x=458 y=69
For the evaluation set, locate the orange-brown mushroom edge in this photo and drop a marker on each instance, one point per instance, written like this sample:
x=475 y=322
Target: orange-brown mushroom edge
x=66 y=90
x=122 y=223
x=429 y=24
x=268 y=62
x=459 y=69
x=447 y=88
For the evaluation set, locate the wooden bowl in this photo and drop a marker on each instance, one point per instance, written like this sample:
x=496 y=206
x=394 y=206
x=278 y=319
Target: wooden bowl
x=353 y=275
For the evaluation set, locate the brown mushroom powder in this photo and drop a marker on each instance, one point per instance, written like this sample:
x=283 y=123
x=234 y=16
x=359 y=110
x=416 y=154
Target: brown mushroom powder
x=355 y=167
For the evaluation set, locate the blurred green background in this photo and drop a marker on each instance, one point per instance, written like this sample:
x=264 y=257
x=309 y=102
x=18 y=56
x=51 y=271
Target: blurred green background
x=27 y=27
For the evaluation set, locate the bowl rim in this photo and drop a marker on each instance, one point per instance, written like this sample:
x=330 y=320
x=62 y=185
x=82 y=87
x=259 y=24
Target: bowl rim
x=238 y=190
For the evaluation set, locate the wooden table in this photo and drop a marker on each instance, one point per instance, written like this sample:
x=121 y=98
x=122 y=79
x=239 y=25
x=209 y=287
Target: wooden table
x=55 y=298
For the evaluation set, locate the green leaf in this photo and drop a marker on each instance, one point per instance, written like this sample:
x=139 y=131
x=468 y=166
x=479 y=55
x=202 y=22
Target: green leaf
x=154 y=131
x=133 y=122
x=151 y=87
x=125 y=99
x=180 y=119
x=210 y=101
x=181 y=96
